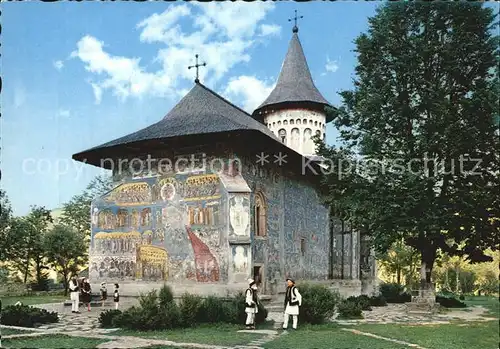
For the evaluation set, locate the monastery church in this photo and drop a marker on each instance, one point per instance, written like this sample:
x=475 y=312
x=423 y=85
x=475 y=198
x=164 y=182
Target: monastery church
x=217 y=205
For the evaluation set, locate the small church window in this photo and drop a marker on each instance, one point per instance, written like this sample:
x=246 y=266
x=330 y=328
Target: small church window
x=260 y=215
x=282 y=135
x=291 y=121
x=279 y=123
x=285 y=122
x=298 y=121
x=304 y=121
x=315 y=123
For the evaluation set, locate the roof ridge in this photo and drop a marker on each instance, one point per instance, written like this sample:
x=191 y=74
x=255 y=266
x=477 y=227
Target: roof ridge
x=223 y=99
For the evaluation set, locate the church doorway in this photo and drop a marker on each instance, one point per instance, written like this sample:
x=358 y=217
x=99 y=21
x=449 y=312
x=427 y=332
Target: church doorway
x=257 y=275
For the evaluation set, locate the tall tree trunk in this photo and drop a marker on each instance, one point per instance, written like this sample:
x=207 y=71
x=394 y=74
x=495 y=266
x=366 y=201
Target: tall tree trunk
x=428 y=258
x=398 y=276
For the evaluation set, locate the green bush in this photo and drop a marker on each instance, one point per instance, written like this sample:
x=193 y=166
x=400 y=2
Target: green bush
x=190 y=309
x=106 y=317
x=159 y=311
x=450 y=302
x=213 y=310
x=378 y=301
x=349 y=310
x=134 y=318
x=27 y=316
x=166 y=295
x=363 y=301
x=318 y=304
x=394 y=293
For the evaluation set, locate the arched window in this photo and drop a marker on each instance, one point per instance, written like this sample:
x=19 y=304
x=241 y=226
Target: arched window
x=279 y=123
x=285 y=122
x=316 y=123
x=308 y=142
x=291 y=121
x=282 y=135
x=295 y=144
x=297 y=121
x=260 y=215
x=304 y=121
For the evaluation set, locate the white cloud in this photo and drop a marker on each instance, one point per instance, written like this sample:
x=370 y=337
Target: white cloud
x=222 y=36
x=269 y=29
x=58 y=65
x=248 y=91
x=330 y=66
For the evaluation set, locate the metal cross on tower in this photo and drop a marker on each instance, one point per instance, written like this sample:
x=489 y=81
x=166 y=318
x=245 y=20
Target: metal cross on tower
x=295 y=28
x=197 y=66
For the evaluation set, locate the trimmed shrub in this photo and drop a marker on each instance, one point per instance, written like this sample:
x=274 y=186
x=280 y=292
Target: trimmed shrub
x=394 y=293
x=349 y=310
x=166 y=295
x=363 y=301
x=134 y=318
x=318 y=304
x=106 y=317
x=190 y=309
x=213 y=310
x=378 y=301
x=27 y=316
x=450 y=302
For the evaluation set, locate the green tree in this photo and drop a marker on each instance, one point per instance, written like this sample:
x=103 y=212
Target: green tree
x=420 y=117
x=5 y=221
x=66 y=251
x=400 y=260
x=26 y=250
x=76 y=212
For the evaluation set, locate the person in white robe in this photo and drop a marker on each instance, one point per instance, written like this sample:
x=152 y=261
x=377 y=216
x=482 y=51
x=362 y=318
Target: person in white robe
x=74 y=289
x=293 y=300
x=251 y=304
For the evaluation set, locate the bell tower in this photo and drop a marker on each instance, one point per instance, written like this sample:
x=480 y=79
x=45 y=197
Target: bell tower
x=295 y=109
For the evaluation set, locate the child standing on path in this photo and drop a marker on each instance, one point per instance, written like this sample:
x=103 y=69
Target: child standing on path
x=86 y=293
x=116 y=296
x=104 y=293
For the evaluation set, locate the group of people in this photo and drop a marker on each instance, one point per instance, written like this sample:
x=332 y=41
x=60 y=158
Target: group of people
x=293 y=300
x=81 y=290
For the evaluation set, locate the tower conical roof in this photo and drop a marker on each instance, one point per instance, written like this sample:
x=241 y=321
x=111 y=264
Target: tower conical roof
x=295 y=84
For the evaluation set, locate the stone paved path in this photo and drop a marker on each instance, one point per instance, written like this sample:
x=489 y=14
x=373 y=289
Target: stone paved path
x=396 y=313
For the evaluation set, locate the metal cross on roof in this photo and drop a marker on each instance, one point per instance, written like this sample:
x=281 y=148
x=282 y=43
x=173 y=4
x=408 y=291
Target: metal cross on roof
x=295 y=28
x=197 y=66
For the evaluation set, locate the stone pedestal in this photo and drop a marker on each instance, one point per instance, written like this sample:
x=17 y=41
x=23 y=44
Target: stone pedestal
x=424 y=302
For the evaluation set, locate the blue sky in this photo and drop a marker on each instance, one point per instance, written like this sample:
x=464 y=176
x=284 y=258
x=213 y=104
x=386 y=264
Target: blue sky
x=79 y=74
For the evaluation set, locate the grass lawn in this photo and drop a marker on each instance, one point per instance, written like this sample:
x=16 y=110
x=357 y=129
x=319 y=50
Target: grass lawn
x=224 y=335
x=9 y=331
x=480 y=335
x=51 y=341
x=491 y=303
x=31 y=300
x=328 y=337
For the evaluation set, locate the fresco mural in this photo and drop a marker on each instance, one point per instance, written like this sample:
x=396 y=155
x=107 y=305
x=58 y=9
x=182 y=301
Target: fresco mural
x=294 y=212
x=159 y=228
x=239 y=215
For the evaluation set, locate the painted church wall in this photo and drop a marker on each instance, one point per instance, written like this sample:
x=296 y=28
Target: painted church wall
x=160 y=228
x=297 y=228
